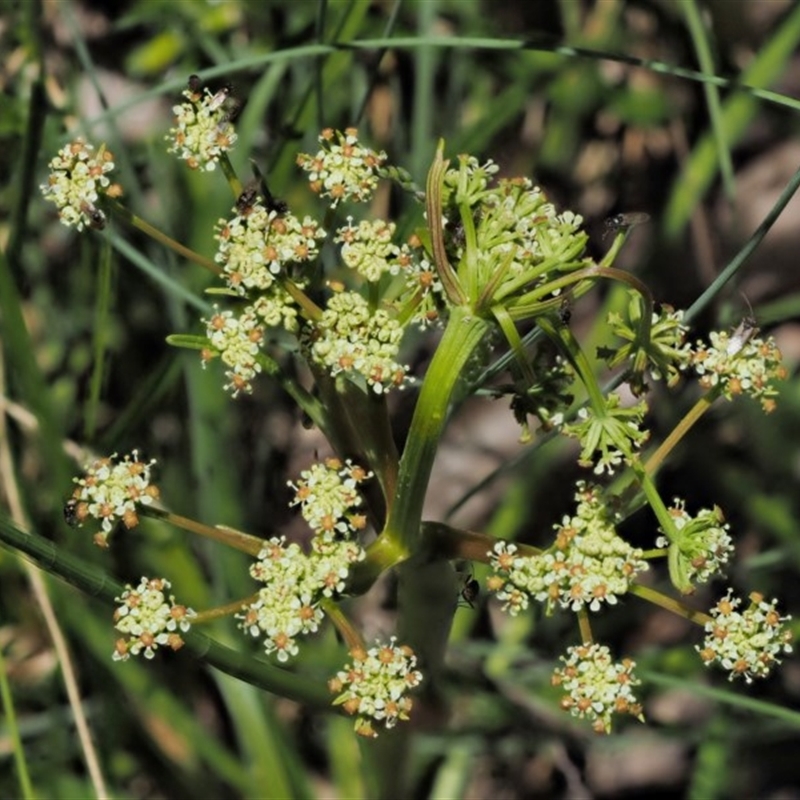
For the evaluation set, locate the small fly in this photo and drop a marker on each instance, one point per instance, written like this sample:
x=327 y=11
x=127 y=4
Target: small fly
x=220 y=97
x=624 y=221
x=565 y=311
x=71 y=513
x=248 y=198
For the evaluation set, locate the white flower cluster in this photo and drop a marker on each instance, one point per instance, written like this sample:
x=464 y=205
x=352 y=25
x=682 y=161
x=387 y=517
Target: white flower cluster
x=149 y=619
x=202 y=131
x=375 y=685
x=294 y=584
x=595 y=687
x=368 y=248
x=327 y=494
x=350 y=338
x=237 y=340
x=343 y=169
x=110 y=491
x=588 y=565
x=747 y=642
x=740 y=363
x=78 y=176
x=256 y=246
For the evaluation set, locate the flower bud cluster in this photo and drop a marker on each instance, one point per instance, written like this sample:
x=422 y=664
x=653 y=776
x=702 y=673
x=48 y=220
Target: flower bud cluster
x=203 y=131
x=703 y=545
x=343 y=169
x=595 y=687
x=468 y=184
x=747 y=643
x=520 y=233
x=740 y=363
x=78 y=176
x=375 y=685
x=588 y=564
x=110 y=492
x=351 y=338
x=149 y=620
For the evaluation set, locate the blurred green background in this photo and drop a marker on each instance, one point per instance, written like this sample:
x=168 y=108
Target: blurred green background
x=604 y=129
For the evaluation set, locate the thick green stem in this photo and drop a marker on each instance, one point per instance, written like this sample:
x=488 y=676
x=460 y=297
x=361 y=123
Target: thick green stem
x=462 y=335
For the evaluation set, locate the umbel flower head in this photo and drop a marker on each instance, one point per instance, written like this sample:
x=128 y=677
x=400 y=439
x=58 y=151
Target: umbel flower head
x=375 y=685
x=109 y=491
x=149 y=619
x=608 y=438
x=740 y=363
x=78 y=176
x=587 y=565
x=328 y=496
x=343 y=169
x=203 y=131
x=237 y=340
x=702 y=546
x=350 y=338
x=368 y=248
x=747 y=643
x=665 y=352
x=596 y=688
x=294 y=585
x=257 y=245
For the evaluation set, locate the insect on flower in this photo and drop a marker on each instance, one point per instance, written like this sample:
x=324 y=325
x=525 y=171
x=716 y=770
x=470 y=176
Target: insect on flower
x=744 y=332
x=220 y=97
x=97 y=219
x=247 y=199
x=71 y=512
